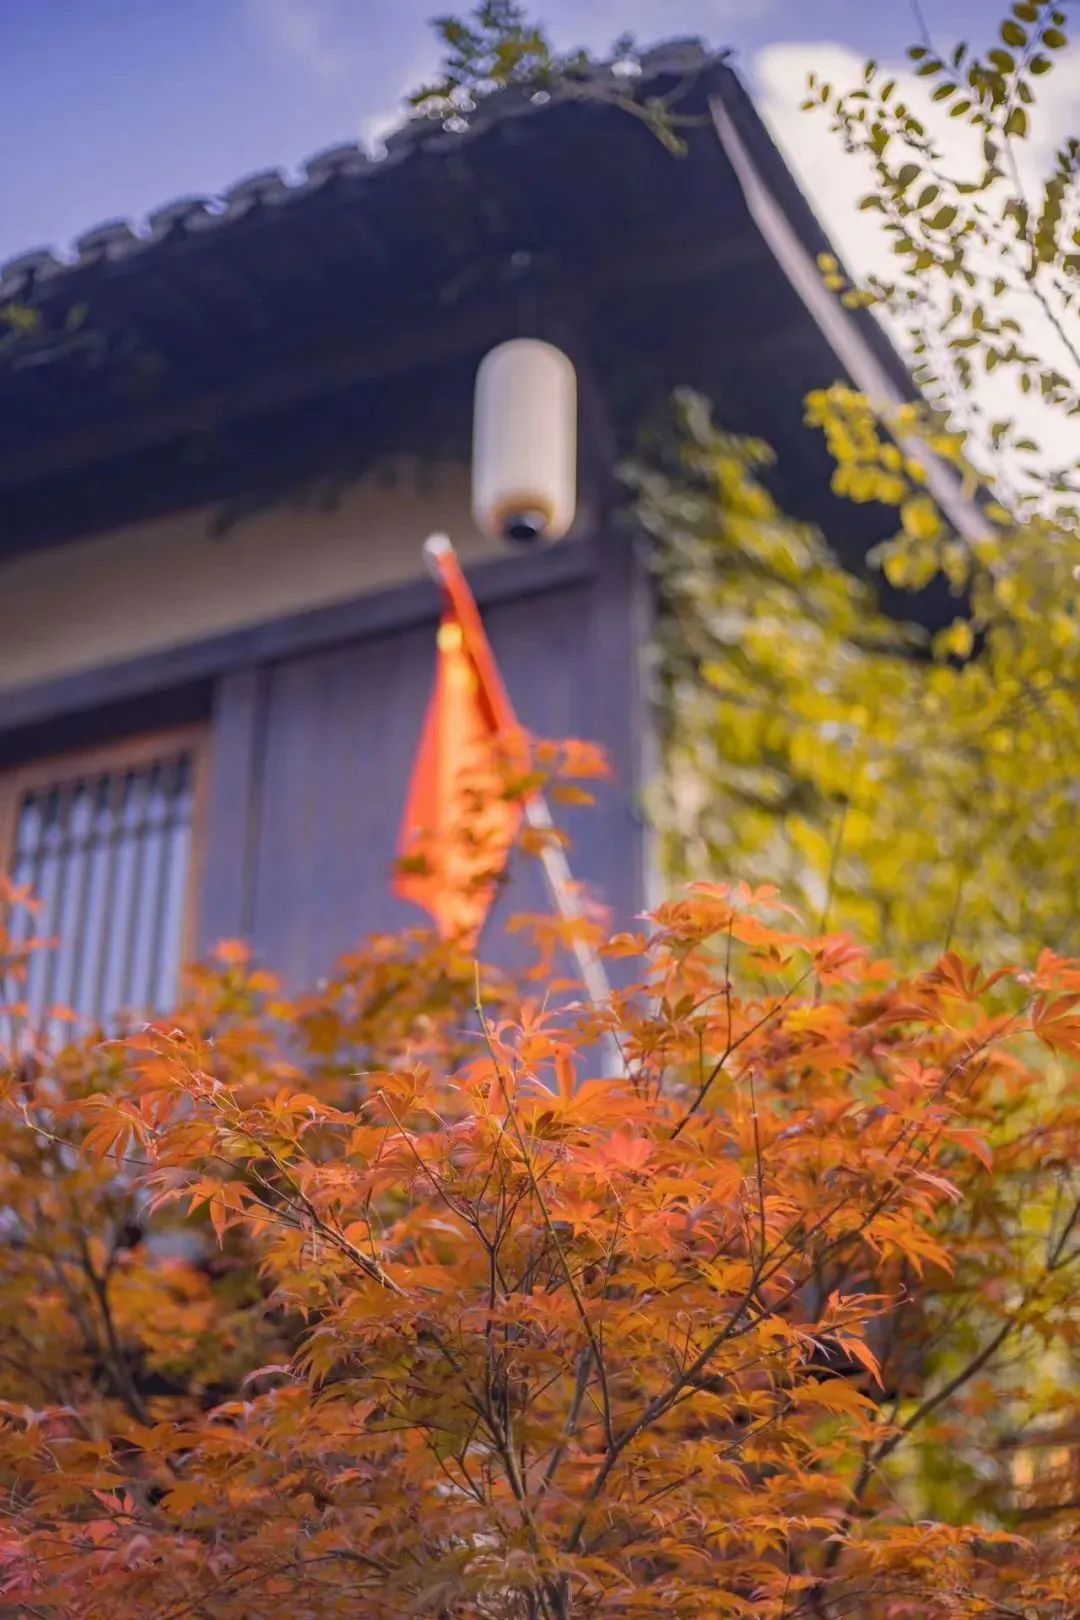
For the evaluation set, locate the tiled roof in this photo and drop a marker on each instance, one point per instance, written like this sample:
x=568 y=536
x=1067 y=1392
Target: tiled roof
x=116 y=241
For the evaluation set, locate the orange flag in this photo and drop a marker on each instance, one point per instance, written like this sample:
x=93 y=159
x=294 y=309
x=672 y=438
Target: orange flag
x=455 y=836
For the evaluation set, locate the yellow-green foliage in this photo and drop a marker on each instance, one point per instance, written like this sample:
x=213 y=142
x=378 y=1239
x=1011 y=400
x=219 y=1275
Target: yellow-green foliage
x=920 y=792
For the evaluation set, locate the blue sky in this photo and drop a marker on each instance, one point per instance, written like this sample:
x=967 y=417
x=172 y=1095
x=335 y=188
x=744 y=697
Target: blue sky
x=111 y=107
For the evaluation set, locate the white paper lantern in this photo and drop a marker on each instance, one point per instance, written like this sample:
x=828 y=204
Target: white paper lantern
x=525 y=443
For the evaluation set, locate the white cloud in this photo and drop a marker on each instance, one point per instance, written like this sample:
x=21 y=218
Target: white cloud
x=1057 y=111
x=597 y=24
x=376 y=126
x=326 y=40
x=834 y=181
x=423 y=69
x=307 y=31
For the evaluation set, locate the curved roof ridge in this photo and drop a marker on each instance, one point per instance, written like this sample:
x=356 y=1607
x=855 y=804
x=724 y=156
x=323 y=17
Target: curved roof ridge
x=115 y=240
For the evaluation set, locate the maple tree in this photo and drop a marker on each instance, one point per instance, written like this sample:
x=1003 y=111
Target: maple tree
x=378 y=1300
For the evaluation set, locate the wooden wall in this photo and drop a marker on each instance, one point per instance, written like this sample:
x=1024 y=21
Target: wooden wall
x=175 y=581
x=312 y=755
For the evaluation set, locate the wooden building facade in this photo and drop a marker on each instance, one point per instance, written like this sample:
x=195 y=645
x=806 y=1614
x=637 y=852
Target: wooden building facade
x=227 y=434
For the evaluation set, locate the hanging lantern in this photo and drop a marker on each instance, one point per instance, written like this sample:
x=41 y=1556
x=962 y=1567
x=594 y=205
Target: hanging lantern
x=525 y=443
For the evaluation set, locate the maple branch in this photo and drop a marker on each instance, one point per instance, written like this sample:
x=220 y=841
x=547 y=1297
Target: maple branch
x=878 y=1454
x=127 y=1388
x=656 y=1408
x=571 y=1281
x=932 y=1402
x=1056 y=1257
x=299 y=1199
x=732 y=1047
x=759 y=1168
x=581 y=1384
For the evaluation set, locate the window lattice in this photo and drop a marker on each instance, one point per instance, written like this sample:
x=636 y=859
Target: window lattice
x=108 y=856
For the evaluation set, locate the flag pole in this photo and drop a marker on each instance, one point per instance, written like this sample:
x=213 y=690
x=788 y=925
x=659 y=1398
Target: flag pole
x=556 y=867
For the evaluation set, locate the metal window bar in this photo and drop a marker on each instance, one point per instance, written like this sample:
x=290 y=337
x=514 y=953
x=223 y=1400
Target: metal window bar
x=107 y=852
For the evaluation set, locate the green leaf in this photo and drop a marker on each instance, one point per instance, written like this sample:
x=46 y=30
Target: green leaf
x=957 y=641
x=1017 y=123
x=1013 y=34
x=906 y=174
x=926 y=196
x=1054 y=39
x=943 y=218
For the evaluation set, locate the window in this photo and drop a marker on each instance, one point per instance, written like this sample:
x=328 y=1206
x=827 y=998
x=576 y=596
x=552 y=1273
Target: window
x=106 y=842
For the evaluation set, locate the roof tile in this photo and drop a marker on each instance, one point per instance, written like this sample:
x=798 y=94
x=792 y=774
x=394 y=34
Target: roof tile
x=176 y=217
x=17 y=274
x=344 y=159
x=267 y=186
x=118 y=239
x=112 y=240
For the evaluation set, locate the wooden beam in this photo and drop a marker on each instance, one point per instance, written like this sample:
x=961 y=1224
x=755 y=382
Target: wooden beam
x=380 y=613
x=341 y=367
x=229 y=835
x=249 y=396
